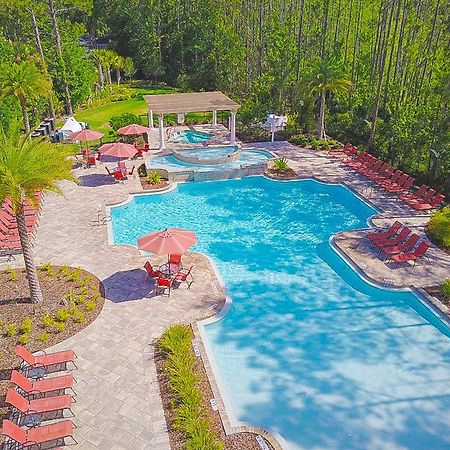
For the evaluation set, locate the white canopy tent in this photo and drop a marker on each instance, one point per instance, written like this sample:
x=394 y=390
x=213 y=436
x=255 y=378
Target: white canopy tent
x=70 y=126
x=274 y=123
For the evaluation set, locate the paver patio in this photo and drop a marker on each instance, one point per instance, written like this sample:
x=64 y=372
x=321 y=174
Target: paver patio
x=118 y=404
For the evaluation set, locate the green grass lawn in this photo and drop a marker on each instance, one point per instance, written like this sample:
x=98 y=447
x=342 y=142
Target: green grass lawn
x=98 y=117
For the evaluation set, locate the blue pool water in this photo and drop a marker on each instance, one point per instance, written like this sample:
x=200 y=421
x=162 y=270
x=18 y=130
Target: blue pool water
x=308 y=349
x=210 y=152
x=192 y=137
x=170 y=163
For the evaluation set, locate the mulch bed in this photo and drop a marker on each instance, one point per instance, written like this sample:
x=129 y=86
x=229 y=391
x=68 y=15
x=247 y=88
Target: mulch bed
x=237 y=441
x=436 y=291
x=146 y=185
x=84 y=303
x=288 y=174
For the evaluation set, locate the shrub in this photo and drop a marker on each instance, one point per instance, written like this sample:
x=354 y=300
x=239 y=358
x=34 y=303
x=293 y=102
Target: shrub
x=64 y=271
x=78 y=316
x=124 y=119
x=26 y=326
x=60 y=326
x=12 y=274
x=142 y=170
x=47 y=321
x=324 y=144
x=48 y=269
x=81 y=299
x=446 y=288
x=44 y=337
x=23 y=339
x=10 y=330
x=154 y=177
x=281 y=165
x=439 y=226
x=84 y=282
x=63 y=315
x=90 y=305
x=314 y=144
x=75 y=275
x=300 y=140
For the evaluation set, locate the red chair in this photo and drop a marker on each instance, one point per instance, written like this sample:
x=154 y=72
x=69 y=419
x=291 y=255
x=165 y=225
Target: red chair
x=385 y=234
x=406 y=247
x=394 y=240
x=35 y=437
x=175 y=262
x=90 y=161
x=393 y=179
x=139 y=153
x=183 y=275
x=121 y=165
x=163 y=285
x=435 y=203
x=358 y=160
x=401 y=187
x=424 y=199
x=41 y=387
x=371 y=168
x=414 y=256
x=344 y=151
x=383 y=174
x=40 y=406
x=119 y=176
x=418 y=194
x=152 y=273
x=45 y=360
x=146 y=147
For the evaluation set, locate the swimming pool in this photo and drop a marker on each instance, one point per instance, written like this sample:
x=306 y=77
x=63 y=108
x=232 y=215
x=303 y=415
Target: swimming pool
x=192 y=137
x=172 y=164
x=308 y=349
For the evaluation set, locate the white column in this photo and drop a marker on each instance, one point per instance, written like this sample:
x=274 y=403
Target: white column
x=233 y=128
x=162 y=144
x=214 y=118
x=150 y=118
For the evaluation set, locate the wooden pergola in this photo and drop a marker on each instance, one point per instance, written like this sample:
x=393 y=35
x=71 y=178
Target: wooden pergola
x=190 y=102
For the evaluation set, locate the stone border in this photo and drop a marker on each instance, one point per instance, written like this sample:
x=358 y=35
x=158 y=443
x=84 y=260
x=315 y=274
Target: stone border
x=180 y=154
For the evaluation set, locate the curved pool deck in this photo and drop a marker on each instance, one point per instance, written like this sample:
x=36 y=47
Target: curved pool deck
x=308 y=349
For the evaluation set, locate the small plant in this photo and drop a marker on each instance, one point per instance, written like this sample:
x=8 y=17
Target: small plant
x=46 y=266
x=60 y=326
x=324 y=144
x=75 y=275
x=78 y=316
x=314 y=144
x=23 y=339
x=70 y=296
x=10 y=330
x=11 y=273
x=63 y=315
x=26 y=326
x=44 y=337
x=300 y=140
x=142 y=170
x=281 y=165
x=154 y=178
x=85 y=281
x=64 y=272
x=446 y=288
x=47 y=321
x=90 y=306
x=81 y=299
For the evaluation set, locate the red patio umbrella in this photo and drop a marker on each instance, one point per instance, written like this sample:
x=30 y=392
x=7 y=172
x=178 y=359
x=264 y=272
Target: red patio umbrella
x=118 y=149
x=168 y=241
x=133 y=129
x=85 y=136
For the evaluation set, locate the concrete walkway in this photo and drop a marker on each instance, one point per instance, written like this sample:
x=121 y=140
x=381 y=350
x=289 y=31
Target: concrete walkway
x=118 y=404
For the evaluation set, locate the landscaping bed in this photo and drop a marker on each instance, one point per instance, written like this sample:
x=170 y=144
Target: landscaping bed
x=438 y=292
x=172 y=352
x=148 y=186
x=71 y=301
x=288 y=174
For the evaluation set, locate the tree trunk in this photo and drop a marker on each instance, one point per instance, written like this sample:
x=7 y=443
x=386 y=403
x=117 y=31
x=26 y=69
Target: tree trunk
x=37 y=38
x=33 y=281
x=52 y=11
x=108 y=74
x=321 y=124
x=26 y=120
x=101 y=75
x=118 y=75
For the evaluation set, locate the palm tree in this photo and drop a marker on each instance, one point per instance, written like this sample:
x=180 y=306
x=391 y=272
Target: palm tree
x=98 y=58
x=118 y=65
x=28 y=166
x=327 y=78
x=27 y=83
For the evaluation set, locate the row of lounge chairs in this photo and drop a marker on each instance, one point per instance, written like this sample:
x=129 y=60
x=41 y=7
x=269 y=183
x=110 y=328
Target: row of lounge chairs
x=397 y=243
x=9 y=233
x=36 y=401
x=387 y=177
x=169 y=275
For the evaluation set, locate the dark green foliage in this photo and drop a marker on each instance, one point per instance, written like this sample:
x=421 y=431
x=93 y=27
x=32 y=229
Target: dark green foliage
x=117 y=122
x=439 y=227
x=142 y=170
x=446 y=288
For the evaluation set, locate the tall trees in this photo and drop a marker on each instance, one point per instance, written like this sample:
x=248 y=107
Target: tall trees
x=26 y=167
x=328 y=78
x=25 y=82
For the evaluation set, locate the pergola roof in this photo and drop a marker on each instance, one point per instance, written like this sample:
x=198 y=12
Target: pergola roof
x=190 y=102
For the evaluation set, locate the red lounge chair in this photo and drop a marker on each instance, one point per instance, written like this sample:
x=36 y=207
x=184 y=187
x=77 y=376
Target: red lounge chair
x=418 y=194
x=366 y=164
x=406 y=247
x=435 y=203
x=40 y=405
x=34 y=437
x=385 y=234
x=393 y=179
x=414 y=256
x=374 y=168
x=183 y=275
x=382 y=174
x=358 y=160
x=152 y=273
x=401 y=187
x=347 y=150
x=42 y=386
x=46 y=359
x=163 y=285
x=394 y=240
x=425 y=199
